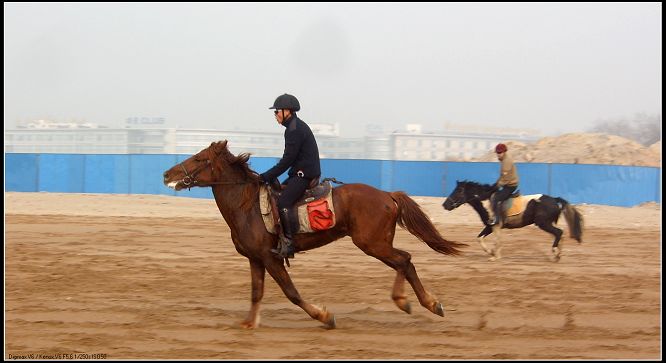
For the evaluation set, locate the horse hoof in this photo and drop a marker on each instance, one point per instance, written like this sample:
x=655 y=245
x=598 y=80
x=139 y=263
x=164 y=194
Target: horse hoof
x=439 y=309
x=403 y=305
x=556 y=254
x=330 y=324
x=247 y=325
x=406 y=307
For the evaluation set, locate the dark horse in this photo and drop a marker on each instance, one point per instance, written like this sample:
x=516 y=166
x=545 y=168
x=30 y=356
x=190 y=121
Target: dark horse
x=366 y=214
x=540 y=209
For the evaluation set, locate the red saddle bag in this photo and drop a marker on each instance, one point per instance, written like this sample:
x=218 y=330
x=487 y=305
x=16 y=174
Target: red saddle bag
x=320 y=216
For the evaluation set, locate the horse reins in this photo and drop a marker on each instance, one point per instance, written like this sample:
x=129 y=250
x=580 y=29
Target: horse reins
x=189 y=180
x=476 y=196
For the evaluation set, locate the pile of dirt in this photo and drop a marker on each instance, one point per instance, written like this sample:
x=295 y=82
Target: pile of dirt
x=582 y=148
x=656 y=147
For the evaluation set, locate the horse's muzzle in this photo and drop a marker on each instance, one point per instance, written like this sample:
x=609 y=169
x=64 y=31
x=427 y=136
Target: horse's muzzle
x=449 y=206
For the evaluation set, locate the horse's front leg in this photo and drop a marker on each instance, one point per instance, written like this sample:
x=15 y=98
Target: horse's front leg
x=258 y=271
x=279 y=273
x=486 y=231
x=496 y=253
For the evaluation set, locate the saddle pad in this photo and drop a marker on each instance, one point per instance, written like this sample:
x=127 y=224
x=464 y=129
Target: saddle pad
x=303 y=220
x=517 y=205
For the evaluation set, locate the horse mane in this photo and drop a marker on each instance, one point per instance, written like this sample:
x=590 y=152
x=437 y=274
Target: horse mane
x=239 y=163
x=473 y=184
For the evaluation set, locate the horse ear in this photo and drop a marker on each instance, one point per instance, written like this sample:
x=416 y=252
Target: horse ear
x=218 y=146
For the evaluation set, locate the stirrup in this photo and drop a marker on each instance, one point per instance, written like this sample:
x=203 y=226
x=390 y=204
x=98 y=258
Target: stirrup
x=283 y=253
x=285 y=248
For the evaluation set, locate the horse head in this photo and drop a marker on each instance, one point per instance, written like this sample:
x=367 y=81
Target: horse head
x=456 y=198
x=213 y=165
x=465 y=192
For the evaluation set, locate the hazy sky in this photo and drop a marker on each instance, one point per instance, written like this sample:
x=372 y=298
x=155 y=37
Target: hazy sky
x=558 y=67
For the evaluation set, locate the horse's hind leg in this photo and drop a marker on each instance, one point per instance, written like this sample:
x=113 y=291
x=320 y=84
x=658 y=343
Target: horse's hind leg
x=398 y=294
x=401 y=262
x=548 y=227
x=279 y=273
x=425 y=298
x=258 y=272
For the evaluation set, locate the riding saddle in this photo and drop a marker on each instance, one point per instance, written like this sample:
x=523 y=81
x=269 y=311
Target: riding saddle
x=517 y=203
x=318 y=196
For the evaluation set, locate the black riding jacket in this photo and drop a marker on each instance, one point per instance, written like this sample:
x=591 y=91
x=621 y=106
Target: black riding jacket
x=300 y=151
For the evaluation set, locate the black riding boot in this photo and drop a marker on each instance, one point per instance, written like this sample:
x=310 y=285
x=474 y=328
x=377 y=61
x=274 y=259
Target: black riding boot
x=286 y=245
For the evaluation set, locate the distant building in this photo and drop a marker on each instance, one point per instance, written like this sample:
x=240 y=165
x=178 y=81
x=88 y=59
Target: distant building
x=413 y=144
x=325 y=129
x=44 y=124
x=445 y=146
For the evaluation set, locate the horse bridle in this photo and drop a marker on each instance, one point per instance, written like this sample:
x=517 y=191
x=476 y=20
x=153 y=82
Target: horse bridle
x=189 y=180
x=457 y=203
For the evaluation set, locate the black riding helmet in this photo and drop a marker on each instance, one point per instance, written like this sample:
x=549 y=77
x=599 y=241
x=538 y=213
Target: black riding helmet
x=286 y=102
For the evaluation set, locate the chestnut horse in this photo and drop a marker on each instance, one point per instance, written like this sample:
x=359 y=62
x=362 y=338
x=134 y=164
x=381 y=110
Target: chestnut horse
x=366 y=214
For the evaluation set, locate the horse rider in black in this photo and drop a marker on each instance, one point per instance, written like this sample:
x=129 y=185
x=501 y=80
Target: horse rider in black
x=506 y=184
x=301 y=157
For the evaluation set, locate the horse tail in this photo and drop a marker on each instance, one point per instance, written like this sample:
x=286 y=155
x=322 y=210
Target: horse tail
x=413 y=219
x=574 y=220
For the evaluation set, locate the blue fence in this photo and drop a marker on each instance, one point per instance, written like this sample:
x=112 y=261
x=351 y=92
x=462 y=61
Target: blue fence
x=142 y=174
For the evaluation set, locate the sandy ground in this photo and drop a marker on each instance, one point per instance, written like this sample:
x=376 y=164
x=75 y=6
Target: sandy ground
x=157 y=277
